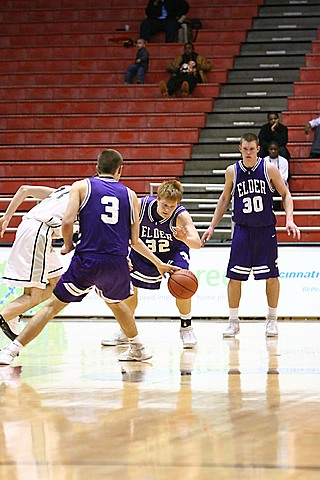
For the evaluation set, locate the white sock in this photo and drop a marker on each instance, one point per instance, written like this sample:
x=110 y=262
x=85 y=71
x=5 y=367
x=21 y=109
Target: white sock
x=15 y=347
x=272 y=313
x=135 y=339
x=233 y=314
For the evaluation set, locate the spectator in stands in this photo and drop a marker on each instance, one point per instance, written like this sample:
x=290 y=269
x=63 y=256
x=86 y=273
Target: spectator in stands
x=140 y=67
x=274 y=131
x=187 y=71
x=315 y=147
x=163 y=16
x=281 y=162
x=283 y=167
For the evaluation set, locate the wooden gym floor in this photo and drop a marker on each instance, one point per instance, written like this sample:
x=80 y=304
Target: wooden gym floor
x=245 y=408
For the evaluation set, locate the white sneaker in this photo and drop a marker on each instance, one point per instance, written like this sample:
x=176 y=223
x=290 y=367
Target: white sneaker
x=232 y=330
x=135 y=353
x=119 y=338
x=6 y=356
x=188 y=337
x=271 y=328
x=14 y=325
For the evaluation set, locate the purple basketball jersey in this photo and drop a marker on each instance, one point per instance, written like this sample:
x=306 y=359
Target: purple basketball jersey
x=105 y=215
x=252 y=195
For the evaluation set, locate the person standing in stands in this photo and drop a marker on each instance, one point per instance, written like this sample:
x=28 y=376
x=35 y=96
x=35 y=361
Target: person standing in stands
x=168 y=230
x=108 y=221
x=251 y=183
x=187 y=70
x=140 y=67
x=163 y=16
x=314 y=125
x=274 y=131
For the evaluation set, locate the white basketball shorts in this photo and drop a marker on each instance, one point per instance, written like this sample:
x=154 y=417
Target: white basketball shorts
x=32 y=261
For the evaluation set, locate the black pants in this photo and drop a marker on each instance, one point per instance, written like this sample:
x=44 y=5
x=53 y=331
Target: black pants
x=169 y=25
x=176 y=81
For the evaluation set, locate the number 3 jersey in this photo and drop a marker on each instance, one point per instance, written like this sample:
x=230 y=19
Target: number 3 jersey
x=252 y=195
x=157 y=233
x=105 y=215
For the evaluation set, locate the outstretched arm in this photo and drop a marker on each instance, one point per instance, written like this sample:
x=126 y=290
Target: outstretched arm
x=222 y=205
x=24 y=192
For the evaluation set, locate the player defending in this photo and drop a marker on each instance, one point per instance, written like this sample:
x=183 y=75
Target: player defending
x=108 y=220
x=251 y=182
x=32 y=263
x=168 y=231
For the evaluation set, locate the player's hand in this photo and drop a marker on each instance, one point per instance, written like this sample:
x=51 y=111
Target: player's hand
x=206 y=236
x=129 y=264
x=292 y=227
x=166 y=268
x=64 y=250
x=180 y=233
x=3 y=225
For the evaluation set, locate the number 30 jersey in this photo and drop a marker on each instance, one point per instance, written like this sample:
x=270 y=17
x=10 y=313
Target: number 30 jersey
x=252 y=195
x=157 y=232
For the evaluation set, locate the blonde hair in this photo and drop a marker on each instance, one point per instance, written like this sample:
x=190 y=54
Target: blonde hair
x=171 y=189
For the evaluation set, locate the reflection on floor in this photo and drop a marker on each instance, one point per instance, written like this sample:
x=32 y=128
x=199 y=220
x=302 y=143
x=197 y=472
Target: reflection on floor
x=243 y=408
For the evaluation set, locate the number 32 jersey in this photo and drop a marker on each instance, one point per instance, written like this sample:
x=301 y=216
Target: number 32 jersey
x=252 y=195
x=157 y=232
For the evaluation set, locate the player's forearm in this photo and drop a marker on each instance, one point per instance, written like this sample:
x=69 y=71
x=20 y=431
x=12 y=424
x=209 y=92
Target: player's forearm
x=288 y=206
x=67 y=234
x=141 y=248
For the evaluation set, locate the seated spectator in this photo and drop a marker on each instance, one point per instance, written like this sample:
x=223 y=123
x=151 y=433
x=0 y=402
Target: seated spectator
x=140 y=67
x=274 y=131
x=283 y=167
x=187 y=71
x=315 y=147
x=163 y=16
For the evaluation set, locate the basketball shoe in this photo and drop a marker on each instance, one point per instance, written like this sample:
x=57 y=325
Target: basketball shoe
x=118 y=338
x=137 y=352
x=188 y=337
x=271 y=328
x=232 y=329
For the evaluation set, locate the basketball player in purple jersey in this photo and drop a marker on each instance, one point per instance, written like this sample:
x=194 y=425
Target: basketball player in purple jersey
x=251 y=182
x=168 y=231
x=108 y=220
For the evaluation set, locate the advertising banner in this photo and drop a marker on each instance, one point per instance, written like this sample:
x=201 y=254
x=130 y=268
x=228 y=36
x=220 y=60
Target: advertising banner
x=299 y=288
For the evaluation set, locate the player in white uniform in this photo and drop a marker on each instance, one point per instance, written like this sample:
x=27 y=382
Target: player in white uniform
x=32 y=263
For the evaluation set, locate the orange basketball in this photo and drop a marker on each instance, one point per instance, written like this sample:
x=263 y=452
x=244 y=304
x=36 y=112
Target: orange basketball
x=182 y=284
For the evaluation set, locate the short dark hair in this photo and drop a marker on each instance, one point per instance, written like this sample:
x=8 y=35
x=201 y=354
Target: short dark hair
x=249 y=137
x=109 y=161
x=273 y=113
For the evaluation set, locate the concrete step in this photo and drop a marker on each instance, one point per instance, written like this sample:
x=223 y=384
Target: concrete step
x=288 y=10
x=271 y=62
x=294 y=47
x=276 y=38
x=282 y=24
x=256 y=90
x=258 y=104
x=236 y=119
x=264 y=76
